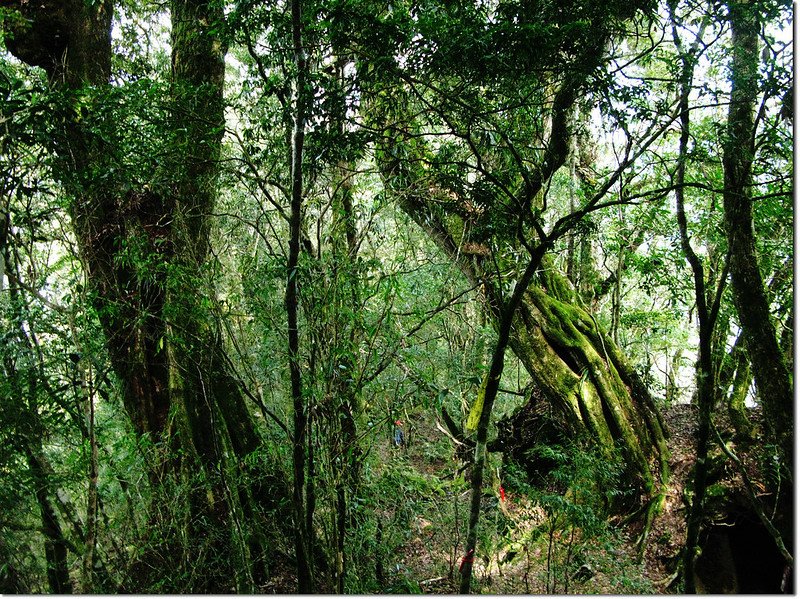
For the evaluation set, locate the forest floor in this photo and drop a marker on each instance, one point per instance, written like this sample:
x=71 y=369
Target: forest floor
x=432 y=554
x=424 y=532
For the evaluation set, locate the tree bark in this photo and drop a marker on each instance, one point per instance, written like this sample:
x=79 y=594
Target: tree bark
x=706 y=315
x=583 y=373
x=305 y=576
x=160 y=338
x=772 y=377
x=489 y=391
x=734 y=381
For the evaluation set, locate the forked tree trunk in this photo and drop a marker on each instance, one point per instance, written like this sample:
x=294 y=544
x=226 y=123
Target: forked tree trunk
x=160 y=338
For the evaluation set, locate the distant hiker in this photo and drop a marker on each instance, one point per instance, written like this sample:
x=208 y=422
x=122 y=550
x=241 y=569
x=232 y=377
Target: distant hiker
x=399 y=435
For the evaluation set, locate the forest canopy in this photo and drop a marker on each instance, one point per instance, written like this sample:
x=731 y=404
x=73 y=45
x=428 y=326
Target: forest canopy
x=421 y=296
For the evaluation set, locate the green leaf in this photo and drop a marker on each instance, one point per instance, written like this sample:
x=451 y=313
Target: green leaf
x=477 y=407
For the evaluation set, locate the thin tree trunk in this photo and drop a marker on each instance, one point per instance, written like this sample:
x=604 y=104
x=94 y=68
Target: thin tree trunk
x=671 y=388
x=91 y=495
x=571 y=271
x=55 y=543
x=707 y=316
x=489 y=391
x=302 y=548
x=347 y=323
x=616 y=297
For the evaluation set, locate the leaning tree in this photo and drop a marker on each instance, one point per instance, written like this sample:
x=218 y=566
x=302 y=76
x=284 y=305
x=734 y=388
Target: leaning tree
x=473 y=160
x=473 y=157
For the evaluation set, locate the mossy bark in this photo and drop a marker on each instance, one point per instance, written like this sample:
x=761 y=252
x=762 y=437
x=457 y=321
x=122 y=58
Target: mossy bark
x=772 y=377
x=580 y=370
x=346 y=321
x=159 y=332
x=734 y=380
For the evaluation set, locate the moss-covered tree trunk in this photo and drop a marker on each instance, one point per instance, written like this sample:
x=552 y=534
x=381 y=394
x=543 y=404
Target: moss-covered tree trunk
x=346 y=453
x=584 y=374
x=772 y=377
x=576 y=365
x=159 y=332
x=769 y=368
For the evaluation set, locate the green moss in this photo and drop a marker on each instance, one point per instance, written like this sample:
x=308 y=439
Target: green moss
x=598 y=395
x=454 y=226
x=557 y=285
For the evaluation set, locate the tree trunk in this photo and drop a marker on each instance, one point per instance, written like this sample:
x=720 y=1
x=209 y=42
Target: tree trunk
x=486 y=398
x=89 y=556
x=707 y=316
x=55 y=547
x=305 y=577
x=346 y=458
x=578 y=367
x=769 y=369
x=160 y=339
x=583 y=373
x=734 y=381
x=772 y=377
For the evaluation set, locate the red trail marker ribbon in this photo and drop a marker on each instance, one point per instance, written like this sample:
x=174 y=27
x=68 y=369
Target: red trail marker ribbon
x=467 y=559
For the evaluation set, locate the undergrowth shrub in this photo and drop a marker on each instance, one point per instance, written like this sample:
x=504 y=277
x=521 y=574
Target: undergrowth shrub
x=566 y=537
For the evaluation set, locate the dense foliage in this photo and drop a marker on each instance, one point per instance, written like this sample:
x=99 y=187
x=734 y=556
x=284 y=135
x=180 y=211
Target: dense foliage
x=353 y=296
